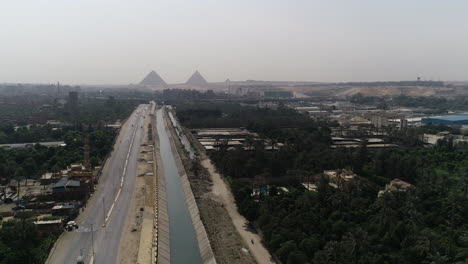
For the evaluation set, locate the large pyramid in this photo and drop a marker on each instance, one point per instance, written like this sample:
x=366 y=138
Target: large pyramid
x=154 y=80
x=196 y=80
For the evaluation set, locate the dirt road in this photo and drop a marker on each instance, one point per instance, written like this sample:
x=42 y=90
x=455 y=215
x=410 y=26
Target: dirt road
x=220 y=190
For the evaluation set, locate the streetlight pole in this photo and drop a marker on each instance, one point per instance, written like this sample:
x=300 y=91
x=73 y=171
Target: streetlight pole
x=92 y=238
x=104 y=211
x=113 y=186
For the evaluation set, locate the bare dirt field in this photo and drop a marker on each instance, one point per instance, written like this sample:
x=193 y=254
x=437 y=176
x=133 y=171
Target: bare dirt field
x=391 y=91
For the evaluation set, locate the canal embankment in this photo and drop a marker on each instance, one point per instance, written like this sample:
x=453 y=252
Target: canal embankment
x=202 y=237
x=184 y=246
x=226 y=243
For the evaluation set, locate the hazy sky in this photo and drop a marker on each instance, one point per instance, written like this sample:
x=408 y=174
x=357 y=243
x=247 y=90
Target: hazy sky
x=120 y=41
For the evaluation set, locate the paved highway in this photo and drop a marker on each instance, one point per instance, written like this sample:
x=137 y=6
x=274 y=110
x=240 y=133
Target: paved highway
x=117 y=180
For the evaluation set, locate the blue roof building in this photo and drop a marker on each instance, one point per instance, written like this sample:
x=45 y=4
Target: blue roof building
x=65 y=185
x=458 y=119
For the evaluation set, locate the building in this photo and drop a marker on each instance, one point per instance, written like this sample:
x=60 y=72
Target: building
x=213 y=138
x=339 y=179
x=432 y=139
x=49 y=226
x=70 y=190
x=66 y=185
x=278 y=94
x=358 y=121
x=48 y=178
x=39 y=117
x=379 y=121
x=65 y=210
x=73 y=99
x=73 y=104
x=82 y=174
x=396 y=185
x=30 y=145
x=458 y=119
x=310 y=186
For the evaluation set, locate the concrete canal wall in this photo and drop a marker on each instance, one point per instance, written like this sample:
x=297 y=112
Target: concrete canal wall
x=206 y=251
x=161 y=239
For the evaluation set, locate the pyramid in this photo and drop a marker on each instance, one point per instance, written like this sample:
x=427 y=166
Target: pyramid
x=153 y=79
x=196 y=80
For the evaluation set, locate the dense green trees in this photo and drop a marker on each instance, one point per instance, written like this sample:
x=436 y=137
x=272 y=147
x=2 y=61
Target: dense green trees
x=427 y=224
x=421 y=226
x=95 y=111
x=32 y=162
x=20 y=242
x=92 y=111
x=24 y=134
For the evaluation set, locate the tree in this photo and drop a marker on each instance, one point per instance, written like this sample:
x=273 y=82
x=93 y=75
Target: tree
x=297 y=257
x=30 y=166
x=94 y=161
x=285 y=249
x=20 y=173
x=310 y=245
x=464 y=177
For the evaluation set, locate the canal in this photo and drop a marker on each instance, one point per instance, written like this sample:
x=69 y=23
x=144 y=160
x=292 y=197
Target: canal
x=184 y=245
x=183 y=139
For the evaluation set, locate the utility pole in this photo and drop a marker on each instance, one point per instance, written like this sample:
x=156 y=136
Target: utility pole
x=92 y=238
x=104 y=211
x=113 y=183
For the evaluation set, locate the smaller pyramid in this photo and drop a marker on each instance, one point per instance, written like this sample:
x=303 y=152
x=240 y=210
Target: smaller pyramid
x=153 y=79
x=196 y=80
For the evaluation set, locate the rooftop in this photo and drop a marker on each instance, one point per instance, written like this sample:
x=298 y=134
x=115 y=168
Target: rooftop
x=65 y=183
x=25 y=145
x=457 y=117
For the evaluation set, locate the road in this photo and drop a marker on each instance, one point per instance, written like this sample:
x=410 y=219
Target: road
x=117 y=180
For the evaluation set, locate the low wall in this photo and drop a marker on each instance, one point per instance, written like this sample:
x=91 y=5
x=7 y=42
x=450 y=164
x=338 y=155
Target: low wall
x=161 y=239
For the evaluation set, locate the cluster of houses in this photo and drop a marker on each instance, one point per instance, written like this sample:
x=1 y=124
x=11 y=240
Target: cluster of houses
x=55 y=197
x=341 y=180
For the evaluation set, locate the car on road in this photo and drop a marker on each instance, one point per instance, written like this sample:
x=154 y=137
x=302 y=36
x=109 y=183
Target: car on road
x=79 y=260
x=71 y=225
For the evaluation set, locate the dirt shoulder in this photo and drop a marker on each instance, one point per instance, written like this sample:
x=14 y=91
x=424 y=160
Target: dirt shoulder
x=222 y=193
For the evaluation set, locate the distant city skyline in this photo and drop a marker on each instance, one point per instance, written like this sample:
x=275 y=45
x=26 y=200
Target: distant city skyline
x=120 y=42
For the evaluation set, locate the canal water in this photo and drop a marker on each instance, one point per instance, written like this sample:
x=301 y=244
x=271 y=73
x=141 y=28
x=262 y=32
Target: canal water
x=184 y=245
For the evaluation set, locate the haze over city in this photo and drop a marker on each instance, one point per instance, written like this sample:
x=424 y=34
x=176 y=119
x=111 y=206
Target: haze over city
x=119 y=42
x=233 y=132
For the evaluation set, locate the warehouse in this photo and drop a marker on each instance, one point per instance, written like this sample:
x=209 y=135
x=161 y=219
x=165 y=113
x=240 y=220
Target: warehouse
x=458 y=119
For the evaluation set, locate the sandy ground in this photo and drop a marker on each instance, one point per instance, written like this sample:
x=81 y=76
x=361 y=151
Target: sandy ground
x=391 y=91
x=221 y=191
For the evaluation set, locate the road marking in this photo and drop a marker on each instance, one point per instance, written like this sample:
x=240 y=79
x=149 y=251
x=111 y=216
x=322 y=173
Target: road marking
x=122 y=178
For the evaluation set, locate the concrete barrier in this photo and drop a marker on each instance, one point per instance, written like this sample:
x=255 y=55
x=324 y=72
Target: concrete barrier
x=162 y=245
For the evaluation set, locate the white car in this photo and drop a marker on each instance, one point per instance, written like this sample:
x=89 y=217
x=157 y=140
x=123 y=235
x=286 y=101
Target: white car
x=71 y=225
